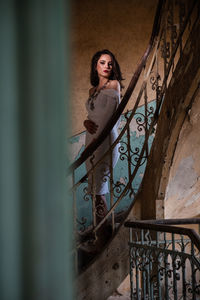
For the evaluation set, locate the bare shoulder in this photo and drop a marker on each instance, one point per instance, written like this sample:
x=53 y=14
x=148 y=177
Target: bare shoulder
x=114 y=84
x=91 y=91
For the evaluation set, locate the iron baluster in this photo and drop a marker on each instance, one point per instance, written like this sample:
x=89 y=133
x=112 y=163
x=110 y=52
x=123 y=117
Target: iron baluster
x=137 y=274
x=166 y=266
x=94 y=208
x=151 y=261
x=131 y=251
x=174 y=268
x=193 y=273
x=183 y=269
x=129 y=151
x=149 y=273
x=111 y=186
x=143 y=275
x=159 y=266
x=74 y=223
x=146 y=118
x=166 y=45
x=157 y=81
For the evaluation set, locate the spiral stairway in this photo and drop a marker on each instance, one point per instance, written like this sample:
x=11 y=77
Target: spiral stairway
x=169 y=74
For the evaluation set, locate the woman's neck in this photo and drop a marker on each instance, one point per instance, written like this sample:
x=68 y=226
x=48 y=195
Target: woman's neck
x=102 y=81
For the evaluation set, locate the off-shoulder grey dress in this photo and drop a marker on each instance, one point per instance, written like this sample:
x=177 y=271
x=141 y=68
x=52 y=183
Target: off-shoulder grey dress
x=104 y=106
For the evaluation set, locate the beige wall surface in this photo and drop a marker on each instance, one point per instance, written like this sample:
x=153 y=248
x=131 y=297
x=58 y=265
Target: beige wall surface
x=124 y=27
x=183 y=192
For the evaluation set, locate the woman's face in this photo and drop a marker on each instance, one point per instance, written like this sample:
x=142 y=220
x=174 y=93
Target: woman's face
x=104 y=66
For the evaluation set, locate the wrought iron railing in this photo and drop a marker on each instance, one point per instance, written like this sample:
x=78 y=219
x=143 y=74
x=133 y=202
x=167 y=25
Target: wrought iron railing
x=164 y=260
x=172 y=27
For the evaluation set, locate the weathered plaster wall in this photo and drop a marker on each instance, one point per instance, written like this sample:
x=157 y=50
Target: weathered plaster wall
x=124 y=27
x=183 y=191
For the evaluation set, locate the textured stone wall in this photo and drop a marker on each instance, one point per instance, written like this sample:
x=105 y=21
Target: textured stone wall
x=183 y=191
x=124 y=27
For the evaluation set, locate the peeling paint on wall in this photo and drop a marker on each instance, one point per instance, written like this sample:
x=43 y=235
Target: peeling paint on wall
x=77 y=146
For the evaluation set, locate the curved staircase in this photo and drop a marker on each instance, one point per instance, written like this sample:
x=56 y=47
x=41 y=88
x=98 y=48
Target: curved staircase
x=169 y=72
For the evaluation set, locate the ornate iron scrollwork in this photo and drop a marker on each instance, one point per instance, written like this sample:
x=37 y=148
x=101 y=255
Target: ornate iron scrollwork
x=82 y=223
x=161 y=264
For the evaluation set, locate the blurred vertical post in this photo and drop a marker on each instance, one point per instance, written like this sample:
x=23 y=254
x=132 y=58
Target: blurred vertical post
x=35 y=206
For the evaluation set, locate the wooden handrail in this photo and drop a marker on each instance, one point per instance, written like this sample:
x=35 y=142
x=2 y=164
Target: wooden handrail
x=111 y=123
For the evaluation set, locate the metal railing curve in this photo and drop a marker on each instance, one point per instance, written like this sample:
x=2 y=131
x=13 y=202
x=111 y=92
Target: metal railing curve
x=164 y=259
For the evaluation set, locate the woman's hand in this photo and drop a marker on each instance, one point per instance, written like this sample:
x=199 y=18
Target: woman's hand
x=90 y=126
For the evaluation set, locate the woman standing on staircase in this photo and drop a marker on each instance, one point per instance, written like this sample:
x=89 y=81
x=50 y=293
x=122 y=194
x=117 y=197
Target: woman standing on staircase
x=104 y=98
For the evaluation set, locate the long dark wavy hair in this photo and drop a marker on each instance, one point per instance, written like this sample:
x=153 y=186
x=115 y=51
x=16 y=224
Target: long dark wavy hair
x=115 y=74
